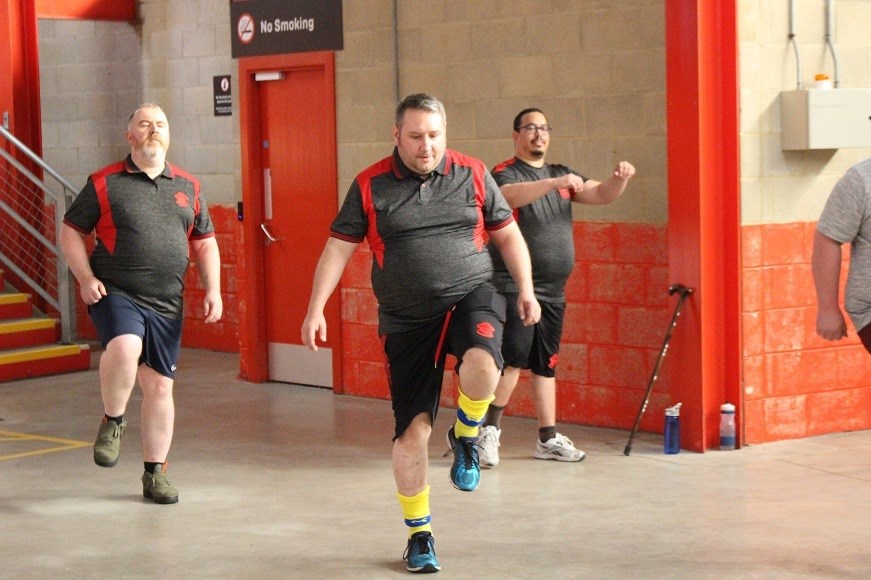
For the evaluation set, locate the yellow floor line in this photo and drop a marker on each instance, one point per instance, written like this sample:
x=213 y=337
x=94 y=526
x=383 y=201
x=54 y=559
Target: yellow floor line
x=65 y=444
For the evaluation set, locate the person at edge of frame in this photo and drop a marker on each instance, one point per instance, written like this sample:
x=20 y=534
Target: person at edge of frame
x=541 y=195
x=148 y=216
x=423 y=211
x=845 y=220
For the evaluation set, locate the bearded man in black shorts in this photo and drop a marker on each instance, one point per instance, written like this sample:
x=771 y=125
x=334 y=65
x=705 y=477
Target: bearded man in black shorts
x=147 y=216
x=424 y=211
x=542 y=195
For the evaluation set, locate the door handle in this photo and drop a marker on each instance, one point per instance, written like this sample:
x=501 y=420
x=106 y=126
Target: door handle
x=269 y=238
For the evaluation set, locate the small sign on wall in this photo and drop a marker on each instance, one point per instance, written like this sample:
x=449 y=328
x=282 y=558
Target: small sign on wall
x=223 y=99
x=262 y=27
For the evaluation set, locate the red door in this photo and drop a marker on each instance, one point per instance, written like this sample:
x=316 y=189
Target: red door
x=298 y=169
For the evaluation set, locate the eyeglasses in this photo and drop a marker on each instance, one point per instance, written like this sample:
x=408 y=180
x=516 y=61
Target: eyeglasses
x=532 y=128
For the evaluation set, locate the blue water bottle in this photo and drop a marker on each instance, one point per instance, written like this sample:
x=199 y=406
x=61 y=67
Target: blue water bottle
x=672 y=430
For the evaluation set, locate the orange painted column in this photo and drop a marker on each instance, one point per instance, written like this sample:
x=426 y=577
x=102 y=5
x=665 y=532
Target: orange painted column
x=703 y=214
x=19 y=71
x=253 y=360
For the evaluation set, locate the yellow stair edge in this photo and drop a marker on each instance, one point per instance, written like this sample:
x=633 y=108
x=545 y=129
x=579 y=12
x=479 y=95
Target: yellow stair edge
x=40 y=353
x=13 y=298
x=25 y=324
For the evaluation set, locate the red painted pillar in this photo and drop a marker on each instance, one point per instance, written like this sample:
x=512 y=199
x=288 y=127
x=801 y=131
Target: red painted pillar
x=703 y=214
x=19 y=71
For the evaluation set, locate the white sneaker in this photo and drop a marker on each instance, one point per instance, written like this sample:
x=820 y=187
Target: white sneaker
x=560 y=448
x=488 y=446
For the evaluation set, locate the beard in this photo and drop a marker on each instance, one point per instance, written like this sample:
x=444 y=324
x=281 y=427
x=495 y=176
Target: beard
x=152 y=149
x=537 y=153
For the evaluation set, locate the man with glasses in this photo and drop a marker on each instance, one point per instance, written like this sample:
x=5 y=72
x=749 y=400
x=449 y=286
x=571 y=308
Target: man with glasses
x=541 y=195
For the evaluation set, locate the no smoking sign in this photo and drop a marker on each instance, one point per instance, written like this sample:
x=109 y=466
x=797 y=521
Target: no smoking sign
x=245 y=28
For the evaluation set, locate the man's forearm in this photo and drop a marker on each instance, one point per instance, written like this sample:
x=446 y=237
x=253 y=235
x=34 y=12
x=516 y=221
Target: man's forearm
x=208 y=259
x=826 y=269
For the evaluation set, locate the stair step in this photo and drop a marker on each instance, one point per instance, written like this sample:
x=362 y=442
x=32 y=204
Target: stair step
x=15 y=305
x=29 y=362
x=17 y=333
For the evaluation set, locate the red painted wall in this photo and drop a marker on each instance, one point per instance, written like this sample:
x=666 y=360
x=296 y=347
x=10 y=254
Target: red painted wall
x=795 y=383
x=222 y=335
x=617 y=314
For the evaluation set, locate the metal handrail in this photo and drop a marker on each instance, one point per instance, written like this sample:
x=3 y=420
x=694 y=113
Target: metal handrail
x=65 y=301
x=37 y=159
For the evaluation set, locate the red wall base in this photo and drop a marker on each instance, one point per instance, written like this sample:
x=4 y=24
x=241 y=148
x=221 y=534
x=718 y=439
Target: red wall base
x=795 y=383
x=617 y=313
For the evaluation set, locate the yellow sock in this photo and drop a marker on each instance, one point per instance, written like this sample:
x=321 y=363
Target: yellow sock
x=470 y=415
x=415 y=510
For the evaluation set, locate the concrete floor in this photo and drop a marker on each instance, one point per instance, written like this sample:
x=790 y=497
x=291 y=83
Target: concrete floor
x=281 y=481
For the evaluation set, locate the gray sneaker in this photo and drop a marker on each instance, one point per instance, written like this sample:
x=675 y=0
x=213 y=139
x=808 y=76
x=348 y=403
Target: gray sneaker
x=156 y=487
x=560 y=448
x=488 y=446
x=108 y=443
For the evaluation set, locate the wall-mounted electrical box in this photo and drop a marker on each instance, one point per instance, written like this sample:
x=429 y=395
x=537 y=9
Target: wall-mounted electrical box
x=825 y=118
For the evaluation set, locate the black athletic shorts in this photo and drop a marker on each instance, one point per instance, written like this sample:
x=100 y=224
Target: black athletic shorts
x=416 y=358
x=533 y=347
x=114 y=315
x=865 y=337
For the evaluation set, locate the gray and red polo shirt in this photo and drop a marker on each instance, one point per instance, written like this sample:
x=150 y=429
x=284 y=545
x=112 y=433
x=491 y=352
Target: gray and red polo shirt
x=546 y=225
x=142 y=227
x=426 y=234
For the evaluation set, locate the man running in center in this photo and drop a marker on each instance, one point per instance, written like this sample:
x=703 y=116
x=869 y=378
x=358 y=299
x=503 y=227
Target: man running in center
x=424 y=210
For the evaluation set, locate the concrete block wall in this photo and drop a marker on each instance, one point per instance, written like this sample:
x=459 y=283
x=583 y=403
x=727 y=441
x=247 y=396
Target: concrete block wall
x=86 y=100
x=598 y=71
x=795 y=384
x=791 y=186
x=169 y=57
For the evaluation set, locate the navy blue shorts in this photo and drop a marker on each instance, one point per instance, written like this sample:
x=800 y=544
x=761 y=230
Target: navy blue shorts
x=115 y=315
x=533 y=347
x=416 y=358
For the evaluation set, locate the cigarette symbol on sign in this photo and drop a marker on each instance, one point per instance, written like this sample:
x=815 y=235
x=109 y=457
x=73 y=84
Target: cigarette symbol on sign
x=245 y=28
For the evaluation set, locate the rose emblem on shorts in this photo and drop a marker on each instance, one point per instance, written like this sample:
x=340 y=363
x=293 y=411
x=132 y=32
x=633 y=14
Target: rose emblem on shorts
x=181 y=199
x=552 y=361
x=485 y=329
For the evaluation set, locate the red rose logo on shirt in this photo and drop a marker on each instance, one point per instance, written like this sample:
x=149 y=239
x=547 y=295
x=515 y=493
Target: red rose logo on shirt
x=551 y=363
x=485 y=329
x=181 y=199
x=565 y=193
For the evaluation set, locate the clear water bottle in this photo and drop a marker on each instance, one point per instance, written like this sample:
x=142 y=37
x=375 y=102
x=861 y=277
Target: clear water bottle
x=727 y=426
x=672 y=430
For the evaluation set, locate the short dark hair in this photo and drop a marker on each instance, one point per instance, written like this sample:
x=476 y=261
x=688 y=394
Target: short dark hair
x=419 y=102
x=519 y=116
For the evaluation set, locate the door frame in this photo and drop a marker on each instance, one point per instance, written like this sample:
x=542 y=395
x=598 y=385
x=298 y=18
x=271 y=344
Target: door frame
x=251 y=278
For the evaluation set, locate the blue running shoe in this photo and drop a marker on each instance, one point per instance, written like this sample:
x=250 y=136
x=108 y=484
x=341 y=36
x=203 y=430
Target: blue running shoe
x=420 y=555
x=465 y=472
